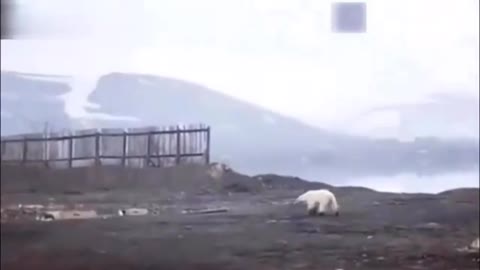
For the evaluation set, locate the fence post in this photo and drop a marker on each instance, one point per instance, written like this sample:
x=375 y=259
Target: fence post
x=70 y=151
x=45 y=144
x=46 y=148
x=207 y=150
x=178 y=154
x=4 y=148
x=124 y=148
x=149 y=147
x=97 y=148
x=24 y=151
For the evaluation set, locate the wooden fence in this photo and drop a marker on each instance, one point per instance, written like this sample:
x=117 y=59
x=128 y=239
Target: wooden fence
x=139 y=147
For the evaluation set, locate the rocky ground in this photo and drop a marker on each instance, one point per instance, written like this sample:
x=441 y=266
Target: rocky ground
x=259 y=230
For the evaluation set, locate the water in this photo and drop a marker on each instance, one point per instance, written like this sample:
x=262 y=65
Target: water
x=413 y=183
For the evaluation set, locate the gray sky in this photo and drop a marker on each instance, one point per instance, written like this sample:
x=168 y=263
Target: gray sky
x=276 y=53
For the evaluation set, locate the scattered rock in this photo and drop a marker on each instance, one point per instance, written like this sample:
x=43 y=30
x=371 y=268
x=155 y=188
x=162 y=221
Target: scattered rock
x=217 y=170
x=45 y=217
x=30 y=208
x=237 y=188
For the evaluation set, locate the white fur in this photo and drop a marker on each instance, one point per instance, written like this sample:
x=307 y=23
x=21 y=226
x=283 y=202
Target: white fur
x=475 y=244
x=321 y=199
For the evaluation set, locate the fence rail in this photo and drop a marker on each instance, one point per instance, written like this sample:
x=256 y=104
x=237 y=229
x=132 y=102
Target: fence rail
x=140 y=147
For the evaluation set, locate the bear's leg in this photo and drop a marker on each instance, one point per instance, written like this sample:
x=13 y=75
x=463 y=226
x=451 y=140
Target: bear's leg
x=337 y=213
x=312 y=208
x=321 y=209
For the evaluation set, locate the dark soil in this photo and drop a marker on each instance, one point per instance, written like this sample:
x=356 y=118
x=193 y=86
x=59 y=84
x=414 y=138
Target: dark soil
x=260 y=231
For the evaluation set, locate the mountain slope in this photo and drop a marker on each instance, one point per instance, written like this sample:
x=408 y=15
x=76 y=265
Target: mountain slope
x=248 y=137
x=239 y=128
x=28 y=101
x=254 y=139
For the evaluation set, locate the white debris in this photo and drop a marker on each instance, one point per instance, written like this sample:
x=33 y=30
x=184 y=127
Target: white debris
x=31 y=206
x=205 y=211
x=133 y=212
x=430 y=226
x=59 y=215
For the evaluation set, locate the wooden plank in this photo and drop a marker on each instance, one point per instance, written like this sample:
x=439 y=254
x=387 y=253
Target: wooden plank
x=137 y=146
x=205 y=211
x=163 y=149
x=124 y=148
x=178 y=146
x=207 y=154
x=111 y=145
x=70 y=152
x=79 y=136
x=97 y=148
x=46 y=146
x=4 y=148
x=84 y=147
x=24 y=151
x=149 y=148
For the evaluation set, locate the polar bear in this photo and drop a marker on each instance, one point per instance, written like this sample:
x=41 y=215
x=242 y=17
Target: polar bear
x=475 y=244
x=318 y=200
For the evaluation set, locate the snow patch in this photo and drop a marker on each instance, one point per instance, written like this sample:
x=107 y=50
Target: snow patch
x=48 y=78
